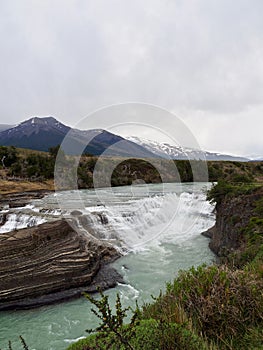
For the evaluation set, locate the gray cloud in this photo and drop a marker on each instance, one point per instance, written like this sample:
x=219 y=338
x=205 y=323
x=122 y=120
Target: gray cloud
x=201 y=59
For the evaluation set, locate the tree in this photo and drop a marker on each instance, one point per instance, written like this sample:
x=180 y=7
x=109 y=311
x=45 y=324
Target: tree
x=53 y=151
x=8 y=156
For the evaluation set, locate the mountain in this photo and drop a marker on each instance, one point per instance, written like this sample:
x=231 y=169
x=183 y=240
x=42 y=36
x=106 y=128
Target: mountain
x=41 y=133
x=256 y=159
x=166 y=150
x=35 y=133
x=5 y=127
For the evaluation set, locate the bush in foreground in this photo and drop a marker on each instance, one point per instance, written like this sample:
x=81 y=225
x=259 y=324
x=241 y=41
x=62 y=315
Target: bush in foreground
x=204 y=308
x=221 y=304
x=149 y=335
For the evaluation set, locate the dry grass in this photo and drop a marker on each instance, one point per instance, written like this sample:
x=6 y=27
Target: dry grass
x=25 y=152
x=7 y=186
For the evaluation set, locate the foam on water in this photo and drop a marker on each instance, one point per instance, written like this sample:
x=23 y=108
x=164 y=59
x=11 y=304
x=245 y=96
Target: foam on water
x=16 y=221
x=131 y=219
x=152 y=220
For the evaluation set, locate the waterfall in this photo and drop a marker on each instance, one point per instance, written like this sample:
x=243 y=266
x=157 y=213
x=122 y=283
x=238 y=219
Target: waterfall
x=16 y=221
x=129 y=222
x=138 y=223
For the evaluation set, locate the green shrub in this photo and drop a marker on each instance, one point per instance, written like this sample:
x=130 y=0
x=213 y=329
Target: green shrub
x=241 y=178
x=219 y=191
x=223 y=189
x=8 y=156
x=259 y=207
x=220 y=303
x=149 y=335
x=253 y=247
x=204 y=308
x=111 y=328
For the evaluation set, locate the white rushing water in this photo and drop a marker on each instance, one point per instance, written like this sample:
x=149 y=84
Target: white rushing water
x=156 y=226
x=16 y=221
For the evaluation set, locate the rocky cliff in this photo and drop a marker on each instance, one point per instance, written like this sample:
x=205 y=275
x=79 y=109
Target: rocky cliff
x=233 y=215
x=50 y=262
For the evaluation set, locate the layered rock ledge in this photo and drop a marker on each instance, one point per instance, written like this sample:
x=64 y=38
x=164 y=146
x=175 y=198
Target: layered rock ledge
x=20 y=199
x=52 y=262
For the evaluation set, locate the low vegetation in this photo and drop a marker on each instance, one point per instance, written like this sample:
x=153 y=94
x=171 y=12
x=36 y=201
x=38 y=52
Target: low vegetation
x=209 y=307
x=249 y=256
x=25 y=170
x=230 y=189
x=30 y=165
x=22 y=168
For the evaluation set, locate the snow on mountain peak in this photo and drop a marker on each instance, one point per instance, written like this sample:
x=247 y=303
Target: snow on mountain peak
x=165 y=150
x=162 y=149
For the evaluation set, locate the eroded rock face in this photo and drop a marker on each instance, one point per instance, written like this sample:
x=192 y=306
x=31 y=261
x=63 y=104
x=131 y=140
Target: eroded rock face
x=50 y=258
x=21 y=199
x=232 y=215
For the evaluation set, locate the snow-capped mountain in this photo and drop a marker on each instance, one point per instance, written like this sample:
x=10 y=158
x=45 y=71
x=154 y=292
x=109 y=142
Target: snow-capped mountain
x=166 y=150
x=35 y=133
x=41 y=133
x=37 y=124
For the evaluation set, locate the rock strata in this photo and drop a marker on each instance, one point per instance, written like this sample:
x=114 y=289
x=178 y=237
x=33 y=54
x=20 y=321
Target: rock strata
x=21 y=199
x=51 y=262
x=232 y=215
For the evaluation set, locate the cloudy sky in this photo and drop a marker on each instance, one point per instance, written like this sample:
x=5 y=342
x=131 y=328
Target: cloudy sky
x=200 y=59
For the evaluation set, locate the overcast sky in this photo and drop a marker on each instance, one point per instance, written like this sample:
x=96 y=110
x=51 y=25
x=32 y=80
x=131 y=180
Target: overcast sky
x=200 y=59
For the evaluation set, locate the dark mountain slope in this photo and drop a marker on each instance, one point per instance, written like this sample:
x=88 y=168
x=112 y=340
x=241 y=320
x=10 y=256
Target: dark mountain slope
x=42 y=133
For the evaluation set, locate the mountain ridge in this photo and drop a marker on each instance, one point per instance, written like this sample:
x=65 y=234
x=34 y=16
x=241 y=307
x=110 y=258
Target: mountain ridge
x=41 y=133
x=166 y=150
